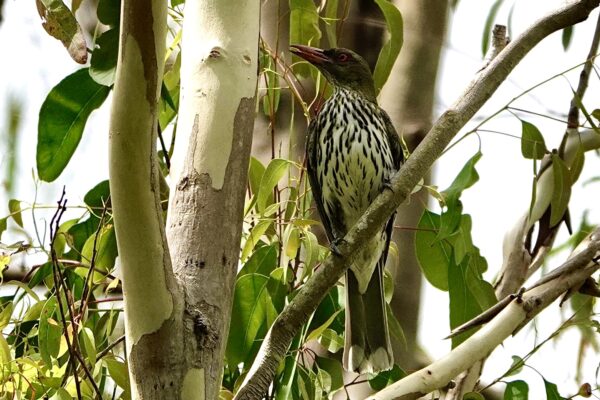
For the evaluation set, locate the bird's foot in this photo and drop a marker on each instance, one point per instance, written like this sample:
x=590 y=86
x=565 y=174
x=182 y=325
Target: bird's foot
x=333 y=246
x=387 y=184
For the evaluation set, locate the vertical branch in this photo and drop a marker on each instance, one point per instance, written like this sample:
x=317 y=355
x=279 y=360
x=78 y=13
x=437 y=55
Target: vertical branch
x=219 y=73
x=152 y=299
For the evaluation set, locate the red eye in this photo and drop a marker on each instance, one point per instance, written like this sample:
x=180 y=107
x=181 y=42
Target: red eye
x=343 y=57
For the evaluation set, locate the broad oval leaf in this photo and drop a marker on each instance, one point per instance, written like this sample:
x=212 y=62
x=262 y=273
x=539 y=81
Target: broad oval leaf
x=473 y=396
x=262 y=261
x=102 y=247
x=98 y=196
x=62 y=119
x=103 y=64
x=109 y=12
x=274 y=172
x=49 y=333
x=577 y=164
x=254 y=236
x=433 y=255
x=516 y=390
x=552 y=391
x=252 y=305
x=390 y=50
x=533 y=145
x=385 y=378
x=14 y=207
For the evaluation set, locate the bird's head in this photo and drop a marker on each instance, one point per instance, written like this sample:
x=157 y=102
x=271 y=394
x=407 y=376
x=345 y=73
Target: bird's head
x=342 y=68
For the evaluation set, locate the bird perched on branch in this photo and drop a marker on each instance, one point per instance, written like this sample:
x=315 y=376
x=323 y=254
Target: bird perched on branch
x=353 y=150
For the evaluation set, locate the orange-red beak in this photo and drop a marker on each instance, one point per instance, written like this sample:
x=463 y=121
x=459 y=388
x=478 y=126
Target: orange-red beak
x=313 y=55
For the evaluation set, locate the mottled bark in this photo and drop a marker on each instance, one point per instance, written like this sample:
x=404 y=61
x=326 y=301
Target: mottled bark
x=209 y=171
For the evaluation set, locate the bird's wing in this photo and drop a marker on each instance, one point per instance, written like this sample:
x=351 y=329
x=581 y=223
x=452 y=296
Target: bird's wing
x=393 y=140
x=311 y=168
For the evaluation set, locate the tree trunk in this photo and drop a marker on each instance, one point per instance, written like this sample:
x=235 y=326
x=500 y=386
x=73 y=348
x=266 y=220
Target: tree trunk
x=151 y=294
x=209 y=171
x=409 y=97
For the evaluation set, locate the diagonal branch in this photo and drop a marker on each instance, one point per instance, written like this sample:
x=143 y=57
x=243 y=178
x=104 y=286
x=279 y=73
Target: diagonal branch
x=482 y=87
x=519 y=311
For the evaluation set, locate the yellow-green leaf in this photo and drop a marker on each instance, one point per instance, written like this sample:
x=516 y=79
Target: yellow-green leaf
x=561 y=192
x=390 y=50
x=532 y=141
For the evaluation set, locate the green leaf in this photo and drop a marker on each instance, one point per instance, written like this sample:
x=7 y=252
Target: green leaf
x=81 y=231
x=473 y=396
x=516 y=390
x=291 y=241
x=14 y=207
x=106 y=250
x=103 y=65
x=331 y=340
x=5 y=315
x=552 y=391
x=596 y=113
x=577 y=164
x=259 y=229
x=312 y=251
x=118 y=371
x=62 y=119
x=109 y=12
x=533 y=145
x=252 y=305
x=330 y=17
x=466 y=178
x=271 y=97
x=319 y=330
x=3 y=226
x=89 y=344
x=98 y=196
x=516 y=366
x=469 y=295
x=255 y=174
x=61 y=24
x=561 y=192
x=487 y=28
x=5 y=356
x=169 y=93
x=385 y=378
x=276 y=169
x=391 y=48
x=567 y=35
x=263 y=261
x=49 y=333
x=334 y=369
x=61 y=237
x=433 y=255
x=304 y=29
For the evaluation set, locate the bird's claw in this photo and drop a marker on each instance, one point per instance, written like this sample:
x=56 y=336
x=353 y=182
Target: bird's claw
x=333 y=246
x=387 y=184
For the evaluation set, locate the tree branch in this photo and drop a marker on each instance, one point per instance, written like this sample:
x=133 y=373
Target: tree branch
x=279 y=337
x=520 y=311
x=522 y=258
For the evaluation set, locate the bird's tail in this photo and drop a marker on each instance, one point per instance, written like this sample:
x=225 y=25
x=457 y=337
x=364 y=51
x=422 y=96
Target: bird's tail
x=367 y=346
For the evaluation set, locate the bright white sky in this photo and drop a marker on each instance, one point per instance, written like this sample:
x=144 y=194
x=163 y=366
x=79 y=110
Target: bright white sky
x=34 y=63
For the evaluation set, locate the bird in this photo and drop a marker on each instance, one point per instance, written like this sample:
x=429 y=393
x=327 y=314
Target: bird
x=352 y=152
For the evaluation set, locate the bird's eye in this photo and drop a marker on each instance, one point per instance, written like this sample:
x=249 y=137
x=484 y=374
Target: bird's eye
x=343 y=57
